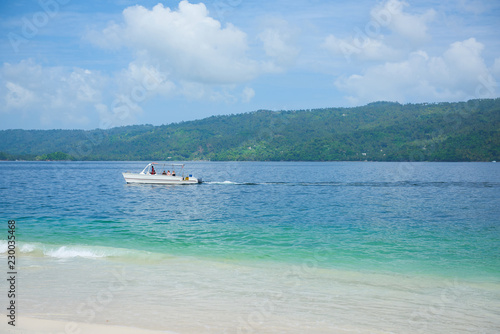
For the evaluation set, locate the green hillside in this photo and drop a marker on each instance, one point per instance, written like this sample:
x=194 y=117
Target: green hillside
x=381 y=131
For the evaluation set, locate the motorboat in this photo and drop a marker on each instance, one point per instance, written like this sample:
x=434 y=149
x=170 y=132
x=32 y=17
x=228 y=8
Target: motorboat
x=162 y=174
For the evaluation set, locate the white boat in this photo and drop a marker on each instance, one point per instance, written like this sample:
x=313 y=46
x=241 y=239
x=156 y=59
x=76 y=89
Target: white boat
x=161 y=175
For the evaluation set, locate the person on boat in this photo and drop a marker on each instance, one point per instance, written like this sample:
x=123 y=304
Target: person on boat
x=153 y=172
x=173 y=173
x=168 y=173
x=164 y=173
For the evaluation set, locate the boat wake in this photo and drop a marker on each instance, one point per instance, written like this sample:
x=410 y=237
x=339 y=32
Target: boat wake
x=394 y=184
x=241 y=183
x=221 y=182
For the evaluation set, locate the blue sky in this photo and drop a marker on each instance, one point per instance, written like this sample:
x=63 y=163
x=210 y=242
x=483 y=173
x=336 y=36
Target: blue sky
x=98 y=64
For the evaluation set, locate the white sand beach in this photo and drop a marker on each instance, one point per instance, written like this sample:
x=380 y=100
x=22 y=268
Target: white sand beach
x=26 y=325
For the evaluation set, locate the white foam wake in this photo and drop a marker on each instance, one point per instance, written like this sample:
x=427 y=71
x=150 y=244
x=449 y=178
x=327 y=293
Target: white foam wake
x=221 y=182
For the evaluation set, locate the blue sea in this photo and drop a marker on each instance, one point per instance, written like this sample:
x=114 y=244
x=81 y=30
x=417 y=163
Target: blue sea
x=259 y=247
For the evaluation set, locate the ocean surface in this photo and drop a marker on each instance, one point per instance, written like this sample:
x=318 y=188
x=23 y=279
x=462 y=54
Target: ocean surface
x=259 y=247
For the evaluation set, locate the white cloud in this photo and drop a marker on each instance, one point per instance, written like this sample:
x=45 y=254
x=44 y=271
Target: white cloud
x=363 y=49
x=133 y=86
x=122 y=111
x=187 y=43
x=455 y=75
x=278 y=42
x=410 y=26
x=143 y=81
x=227 y=94
x=52 y=95
x=404 y=72
x=248 y=94
x=461 y=65
x=17 y=97
x=109 y=38
x=372 y=43
x=184 y=52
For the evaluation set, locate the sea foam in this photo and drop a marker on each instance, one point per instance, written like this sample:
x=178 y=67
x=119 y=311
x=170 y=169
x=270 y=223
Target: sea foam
x=35 y=249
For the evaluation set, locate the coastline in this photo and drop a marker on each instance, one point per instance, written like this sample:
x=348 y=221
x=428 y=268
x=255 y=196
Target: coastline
x=29 y=325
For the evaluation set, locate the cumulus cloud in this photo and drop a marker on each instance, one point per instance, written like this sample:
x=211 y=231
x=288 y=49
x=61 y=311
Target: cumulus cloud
x=142 y=81
x=62 y=97
x=185 y=52
x=458 y=74
x=461 y=65
x=389 y=35
x=187 y=43
x=51 y=95
x=175 y=52
x=410 y=26
x=401 y=69
x=133 y=86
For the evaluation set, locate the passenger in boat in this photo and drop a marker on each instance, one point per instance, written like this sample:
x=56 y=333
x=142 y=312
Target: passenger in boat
x=153 y=172
x=173 y=173
x=164 y=173
x=168 y=173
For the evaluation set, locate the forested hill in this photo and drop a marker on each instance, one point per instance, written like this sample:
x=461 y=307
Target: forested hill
x=381 y=131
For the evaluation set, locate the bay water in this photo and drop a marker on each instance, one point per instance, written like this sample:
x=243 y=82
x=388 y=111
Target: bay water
x=259 y=247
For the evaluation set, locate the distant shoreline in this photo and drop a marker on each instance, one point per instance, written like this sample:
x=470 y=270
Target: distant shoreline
x=379 y=131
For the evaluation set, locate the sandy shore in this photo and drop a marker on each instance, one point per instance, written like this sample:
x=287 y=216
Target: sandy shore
x=25 y=325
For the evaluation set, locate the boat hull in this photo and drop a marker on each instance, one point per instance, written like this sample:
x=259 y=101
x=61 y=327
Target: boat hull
x=158 y=179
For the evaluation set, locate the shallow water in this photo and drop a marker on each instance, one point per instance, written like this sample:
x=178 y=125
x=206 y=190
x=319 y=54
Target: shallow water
x=264 y=247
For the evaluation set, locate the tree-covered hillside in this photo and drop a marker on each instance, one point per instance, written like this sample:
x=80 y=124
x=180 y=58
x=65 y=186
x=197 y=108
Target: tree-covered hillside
x=382 y=131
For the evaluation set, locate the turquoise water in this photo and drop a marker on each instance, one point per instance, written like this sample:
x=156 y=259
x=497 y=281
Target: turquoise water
x=418 y=227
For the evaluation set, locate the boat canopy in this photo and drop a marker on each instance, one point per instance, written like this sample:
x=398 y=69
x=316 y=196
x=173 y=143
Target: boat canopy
x=146 y=169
